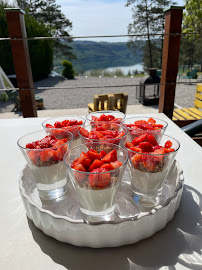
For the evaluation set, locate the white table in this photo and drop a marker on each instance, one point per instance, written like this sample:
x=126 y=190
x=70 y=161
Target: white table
x=23 y=246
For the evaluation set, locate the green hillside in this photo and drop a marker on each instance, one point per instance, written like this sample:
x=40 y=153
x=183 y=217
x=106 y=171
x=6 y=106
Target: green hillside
x=100 y=55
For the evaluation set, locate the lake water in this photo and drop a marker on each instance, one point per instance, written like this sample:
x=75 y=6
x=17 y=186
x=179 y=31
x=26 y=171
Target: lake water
x=125 y=70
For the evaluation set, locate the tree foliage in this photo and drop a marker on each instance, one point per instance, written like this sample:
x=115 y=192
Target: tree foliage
x=50 y=14
x=191 y=49
x=41 y=51
x=148 y=18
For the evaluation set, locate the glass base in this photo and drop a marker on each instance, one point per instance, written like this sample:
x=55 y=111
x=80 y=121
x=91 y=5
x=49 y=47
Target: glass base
x=100 y=213
x=52 y=194
x=147 y=199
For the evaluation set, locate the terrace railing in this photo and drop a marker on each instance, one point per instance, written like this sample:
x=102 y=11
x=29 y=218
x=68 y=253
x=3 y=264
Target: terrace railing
x=171 y=47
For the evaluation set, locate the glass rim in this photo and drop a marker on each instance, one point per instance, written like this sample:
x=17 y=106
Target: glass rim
x=25 y=148
x=103 y=112
x=112 y=139
x=155 y=118
x=165 y=154
x=65 y=116
x=69 y=167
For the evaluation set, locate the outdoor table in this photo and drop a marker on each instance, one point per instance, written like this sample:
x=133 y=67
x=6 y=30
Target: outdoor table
x=23 y=246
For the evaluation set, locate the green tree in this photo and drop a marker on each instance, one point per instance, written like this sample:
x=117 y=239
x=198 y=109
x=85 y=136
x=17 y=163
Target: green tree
x=68 y=70
x=148 y=18
x=191 y=49
x=49 y=13
x=41 y=51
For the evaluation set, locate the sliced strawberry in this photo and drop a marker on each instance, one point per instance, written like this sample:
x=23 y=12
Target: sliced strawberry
x=141 y=138
x=121 y=134
x=129 y=144
x=73 y=122
x=116 y=164
x=146 y=126
x=49 y=126
x=107 y=166
x=96 y=164
x=151 y=139
x=58 y=124
x=103 y=117
x=99 y=180
x=151 y=121
x=86 y=163
x=46 y=155
x=93 y=154
x=136 y=149
x=146 y=146
x=136 y=160
x=168 y=144
x=169 y=150
x=59 y=153
x=74 y=163
x=94 y=118
x=33 y=156
x=79 y=176
x=158 y=126
x=84 y=132
x=139 y=122
x=98 y=134
x=110 y=157
x=148 y=162
x=82 y=157
x=102 y=154
x=65 y=123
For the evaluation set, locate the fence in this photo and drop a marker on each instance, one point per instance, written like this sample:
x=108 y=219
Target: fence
x=20 y=52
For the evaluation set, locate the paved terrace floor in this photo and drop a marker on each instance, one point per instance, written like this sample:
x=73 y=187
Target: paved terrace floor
x=72 y=96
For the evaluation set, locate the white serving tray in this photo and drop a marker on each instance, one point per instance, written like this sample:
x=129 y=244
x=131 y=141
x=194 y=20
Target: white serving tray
x=63 y=220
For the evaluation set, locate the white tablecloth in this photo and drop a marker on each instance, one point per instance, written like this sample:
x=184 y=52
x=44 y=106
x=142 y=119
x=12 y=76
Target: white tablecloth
x=23 y=246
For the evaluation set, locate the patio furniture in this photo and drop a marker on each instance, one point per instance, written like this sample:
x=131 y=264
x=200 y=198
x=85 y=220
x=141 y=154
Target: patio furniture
x=194 y=130
x=109 y=102
x=24 y=246
x=194 y=113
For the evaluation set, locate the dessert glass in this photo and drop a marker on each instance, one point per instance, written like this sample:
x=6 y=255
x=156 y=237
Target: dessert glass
x=116 y=114
x=46 y=164
x=148 y=172
x=62 y=133
x=96 y=201
x=106 y=126
x=137 y=132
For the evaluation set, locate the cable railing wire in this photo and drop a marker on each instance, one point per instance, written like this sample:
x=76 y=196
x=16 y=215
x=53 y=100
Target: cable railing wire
x=84 y=87
x=105 y=36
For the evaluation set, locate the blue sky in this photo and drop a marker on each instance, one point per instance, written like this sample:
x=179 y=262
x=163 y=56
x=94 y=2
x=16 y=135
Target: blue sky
x=98 y=17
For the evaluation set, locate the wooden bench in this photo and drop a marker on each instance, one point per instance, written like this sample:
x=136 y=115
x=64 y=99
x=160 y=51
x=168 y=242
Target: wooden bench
x=109 y=102
x=191 y=114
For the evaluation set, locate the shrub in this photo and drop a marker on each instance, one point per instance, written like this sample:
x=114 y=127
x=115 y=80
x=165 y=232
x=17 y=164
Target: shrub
x=68 y=70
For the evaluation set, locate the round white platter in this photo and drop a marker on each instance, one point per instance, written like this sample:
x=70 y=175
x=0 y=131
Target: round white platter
x=63 y=220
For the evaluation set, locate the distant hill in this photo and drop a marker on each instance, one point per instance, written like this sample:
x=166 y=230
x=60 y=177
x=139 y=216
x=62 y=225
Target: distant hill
x=100 y=55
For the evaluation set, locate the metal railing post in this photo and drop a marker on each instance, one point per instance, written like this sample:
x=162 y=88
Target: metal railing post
x=21 y=59
x=171 y=49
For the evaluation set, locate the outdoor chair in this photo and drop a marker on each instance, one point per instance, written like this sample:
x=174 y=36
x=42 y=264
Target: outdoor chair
x=109 y=102
x=13 y=94
x=191 y=113
x=194 y=130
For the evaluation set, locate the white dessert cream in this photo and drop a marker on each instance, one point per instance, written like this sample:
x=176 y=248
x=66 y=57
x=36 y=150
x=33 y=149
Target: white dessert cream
x=96 y=200
x=50 y=177
x=147 y=181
